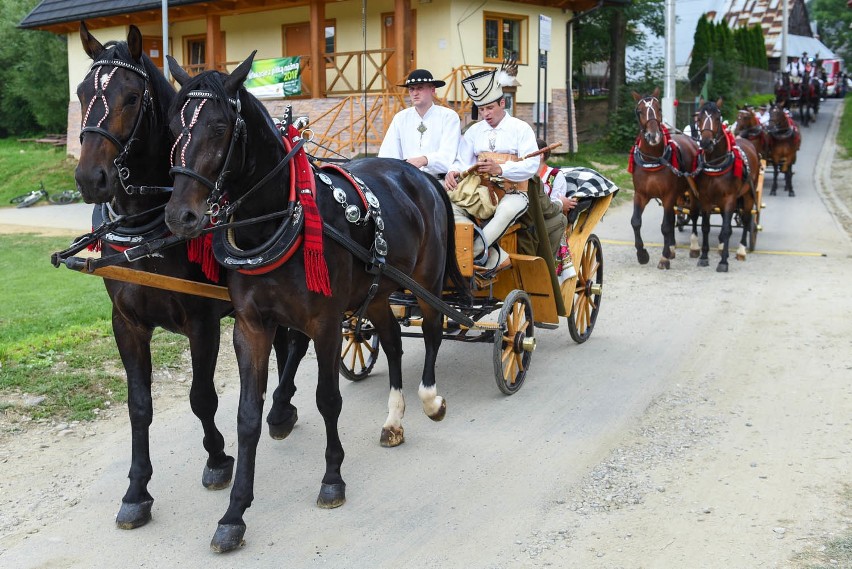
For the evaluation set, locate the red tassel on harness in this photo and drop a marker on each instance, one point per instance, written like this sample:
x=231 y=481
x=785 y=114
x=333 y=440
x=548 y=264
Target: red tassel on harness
x=316 y=270
x=631 y=162
x=200 y=250
x=96 y=246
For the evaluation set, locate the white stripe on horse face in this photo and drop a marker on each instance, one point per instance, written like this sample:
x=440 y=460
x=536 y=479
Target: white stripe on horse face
x=396 y=409
x=430 y=400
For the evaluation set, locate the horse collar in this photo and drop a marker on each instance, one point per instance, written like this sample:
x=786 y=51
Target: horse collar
x=122 y=237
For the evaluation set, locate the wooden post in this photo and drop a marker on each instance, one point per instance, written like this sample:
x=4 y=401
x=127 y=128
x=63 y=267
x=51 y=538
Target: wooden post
x=214 y=38
x=402 y=17
x=317 y=49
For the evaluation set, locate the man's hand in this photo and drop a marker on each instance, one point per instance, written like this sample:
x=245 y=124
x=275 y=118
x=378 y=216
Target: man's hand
x=418 y=161
x=568 y=204
x=451 y=180
x=489 y=166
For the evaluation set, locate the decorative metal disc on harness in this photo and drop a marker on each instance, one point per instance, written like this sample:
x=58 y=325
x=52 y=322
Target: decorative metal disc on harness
x=353 y=213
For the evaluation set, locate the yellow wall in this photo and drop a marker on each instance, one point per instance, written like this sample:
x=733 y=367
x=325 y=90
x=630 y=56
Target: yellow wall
x=79 y=62
x=449 y=34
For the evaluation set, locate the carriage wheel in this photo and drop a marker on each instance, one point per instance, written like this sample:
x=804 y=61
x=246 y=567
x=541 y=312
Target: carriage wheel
x=587 y=292
x=514 y=342
x=360 y=351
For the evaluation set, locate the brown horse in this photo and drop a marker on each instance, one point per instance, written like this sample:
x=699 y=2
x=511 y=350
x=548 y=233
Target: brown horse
x=658 y=162
x=748 y=126
x=784 y=143
x=725 y=177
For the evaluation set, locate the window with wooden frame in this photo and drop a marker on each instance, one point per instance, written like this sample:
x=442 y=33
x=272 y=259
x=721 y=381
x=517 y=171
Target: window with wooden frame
x=505 y=36
x=194 y=53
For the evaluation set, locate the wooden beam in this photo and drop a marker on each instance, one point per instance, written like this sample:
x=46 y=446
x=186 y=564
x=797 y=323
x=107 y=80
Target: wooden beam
x=317 y=79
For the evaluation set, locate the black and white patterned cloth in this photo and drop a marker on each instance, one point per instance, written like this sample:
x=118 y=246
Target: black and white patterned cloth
x=587 y=183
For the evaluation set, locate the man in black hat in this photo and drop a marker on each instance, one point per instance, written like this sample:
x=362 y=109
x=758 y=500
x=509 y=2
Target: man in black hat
x=425 y=134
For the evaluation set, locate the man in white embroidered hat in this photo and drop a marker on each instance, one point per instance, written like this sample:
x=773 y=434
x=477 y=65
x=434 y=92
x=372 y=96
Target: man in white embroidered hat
x=425 y=134
x=494 y=148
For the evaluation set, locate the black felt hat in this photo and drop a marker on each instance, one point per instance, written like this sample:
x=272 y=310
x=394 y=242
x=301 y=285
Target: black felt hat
x=421 y=76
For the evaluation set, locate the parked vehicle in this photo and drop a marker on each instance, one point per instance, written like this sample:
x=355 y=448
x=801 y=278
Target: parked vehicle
x=833 y=72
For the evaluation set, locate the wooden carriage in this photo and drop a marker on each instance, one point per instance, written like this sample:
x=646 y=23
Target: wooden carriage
x=528 y=295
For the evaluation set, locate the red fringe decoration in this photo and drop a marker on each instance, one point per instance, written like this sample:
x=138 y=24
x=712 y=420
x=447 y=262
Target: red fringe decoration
x=667 y=138
x=200 y=250
x=738 y=157
x=316 y=271
x=631 y=163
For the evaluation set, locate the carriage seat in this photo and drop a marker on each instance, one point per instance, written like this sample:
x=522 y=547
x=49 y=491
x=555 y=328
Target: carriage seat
x=464 y=233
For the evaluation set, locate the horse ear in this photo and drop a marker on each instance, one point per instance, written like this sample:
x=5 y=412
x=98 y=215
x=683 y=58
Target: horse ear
x=656 y=93
x=178 y=72
x=636 y=96
x=236 y=79
x=134 y=42
x=719 y=102
x=91 y=46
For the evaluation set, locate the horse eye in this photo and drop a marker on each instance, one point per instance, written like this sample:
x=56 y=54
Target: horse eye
x=132 y=100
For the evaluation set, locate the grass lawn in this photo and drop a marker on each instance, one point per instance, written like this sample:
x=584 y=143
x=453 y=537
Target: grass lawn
x=56 y=334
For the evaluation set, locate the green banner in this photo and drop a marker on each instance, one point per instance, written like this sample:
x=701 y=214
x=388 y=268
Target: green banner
x=277 y=77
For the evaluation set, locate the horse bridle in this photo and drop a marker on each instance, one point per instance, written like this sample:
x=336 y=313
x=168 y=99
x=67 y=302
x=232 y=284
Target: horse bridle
x=696 y=132
x=100 y=85
x=219 y=211
x=239 y=135
x=650 y=113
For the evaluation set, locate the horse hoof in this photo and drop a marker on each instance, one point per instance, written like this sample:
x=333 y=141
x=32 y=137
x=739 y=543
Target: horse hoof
x=132 y=516
x=642 y=256
x=392 y=437
x=772 y=192
x=220 y=477
x=722 y=268
x=664 y=264
x=331 y=495
x=441 y=413
x=741 y=257
x=792 y=194
x=694 y=253
x=703 y=262
x=228 y=537
x=280 y=431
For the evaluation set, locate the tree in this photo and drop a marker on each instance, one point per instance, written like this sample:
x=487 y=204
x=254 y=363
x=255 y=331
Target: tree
x=605 y=34
x=34 y=75
x=834 y=25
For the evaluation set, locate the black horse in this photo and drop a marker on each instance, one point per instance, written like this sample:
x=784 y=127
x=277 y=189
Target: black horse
x=224 y=134
x=124 y=165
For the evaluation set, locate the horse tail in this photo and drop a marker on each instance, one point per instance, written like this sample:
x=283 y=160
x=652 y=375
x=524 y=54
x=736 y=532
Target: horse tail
x=451 y=268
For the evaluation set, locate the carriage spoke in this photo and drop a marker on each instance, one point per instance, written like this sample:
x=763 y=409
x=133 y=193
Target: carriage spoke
x=349 y=343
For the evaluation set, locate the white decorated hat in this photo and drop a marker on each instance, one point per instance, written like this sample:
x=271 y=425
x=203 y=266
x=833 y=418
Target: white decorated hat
x=486 y=86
